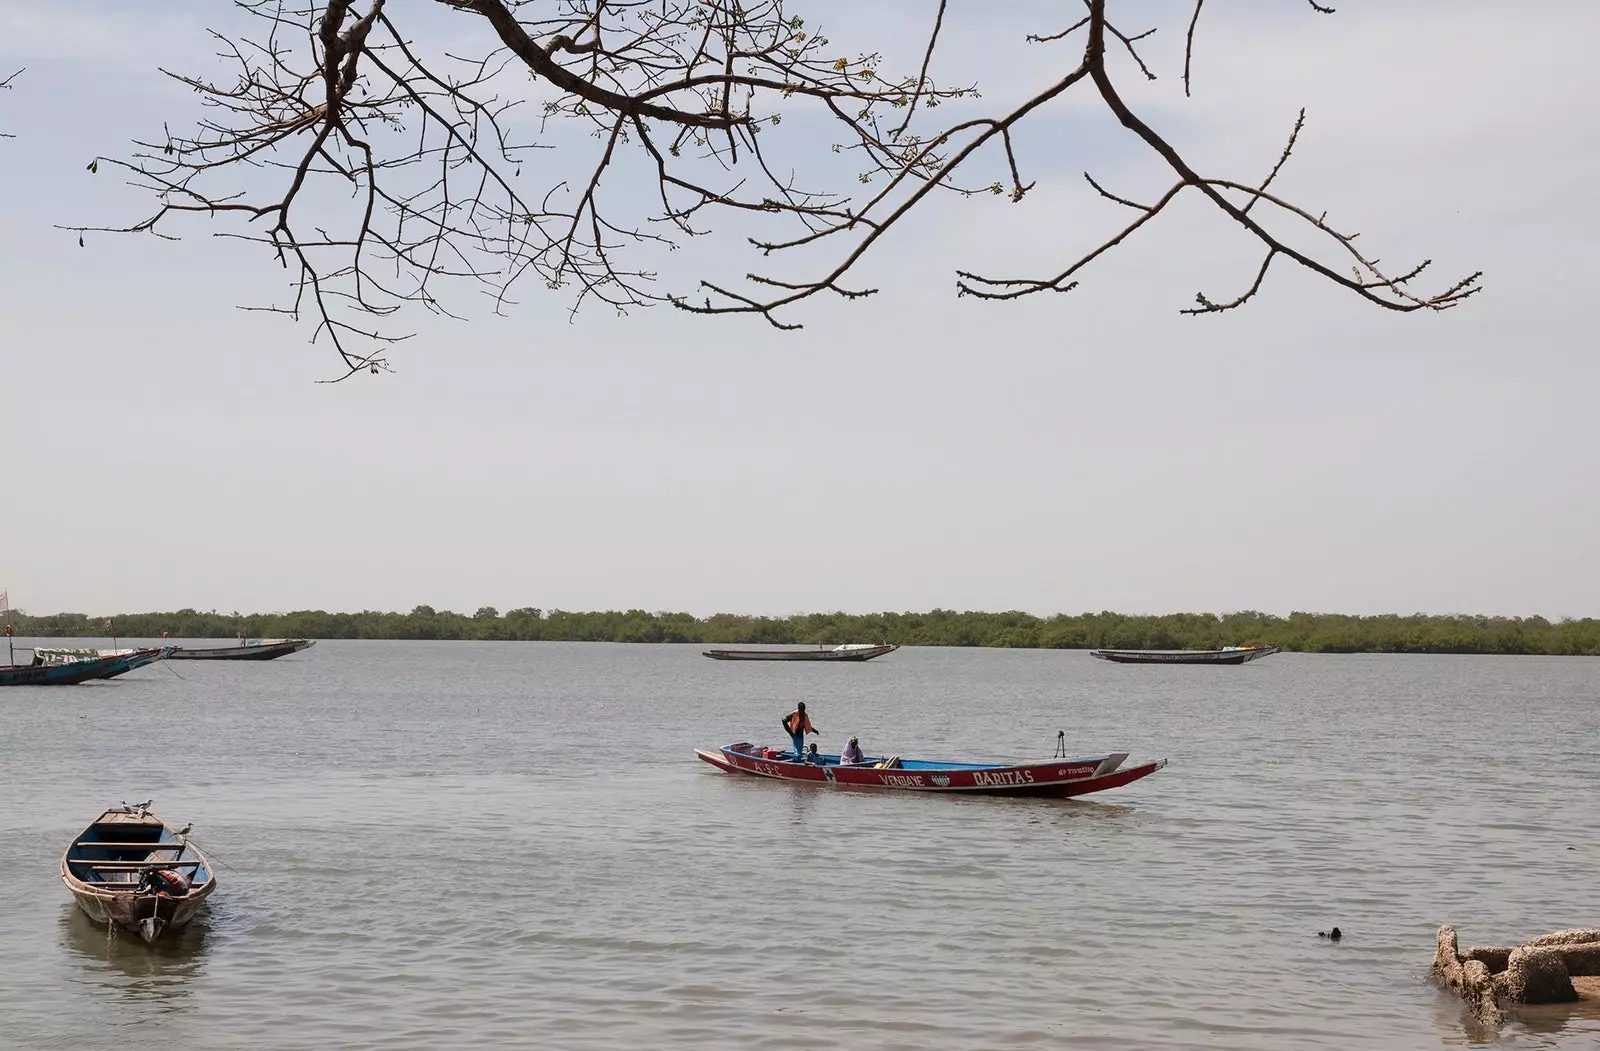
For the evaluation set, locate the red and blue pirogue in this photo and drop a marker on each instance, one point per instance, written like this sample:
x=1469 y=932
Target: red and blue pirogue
x=1055 y=778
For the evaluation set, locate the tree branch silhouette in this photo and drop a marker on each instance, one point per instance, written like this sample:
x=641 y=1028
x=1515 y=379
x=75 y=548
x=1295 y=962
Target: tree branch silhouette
x=383 y=173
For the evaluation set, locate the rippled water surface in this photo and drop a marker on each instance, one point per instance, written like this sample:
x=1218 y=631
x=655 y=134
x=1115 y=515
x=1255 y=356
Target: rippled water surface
x=443 y=845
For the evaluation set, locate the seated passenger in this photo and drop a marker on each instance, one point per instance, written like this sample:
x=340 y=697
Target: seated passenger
x=811 y=755
x=851 y=754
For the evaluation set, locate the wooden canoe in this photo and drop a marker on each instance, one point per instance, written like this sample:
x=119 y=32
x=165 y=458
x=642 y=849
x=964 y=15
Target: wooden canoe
x=137 y=658
x=1230 y=655
x=70 y=673
x=848 y=653
x=128 y=869
x=264 y=650
x=1058 y=778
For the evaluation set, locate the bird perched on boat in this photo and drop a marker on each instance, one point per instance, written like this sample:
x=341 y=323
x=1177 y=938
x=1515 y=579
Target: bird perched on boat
x=1333 y=935
x=184 y=831
x=139 y=806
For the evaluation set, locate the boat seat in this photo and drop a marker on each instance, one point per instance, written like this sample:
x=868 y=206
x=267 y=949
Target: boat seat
x=128 y=846
x=134 y=866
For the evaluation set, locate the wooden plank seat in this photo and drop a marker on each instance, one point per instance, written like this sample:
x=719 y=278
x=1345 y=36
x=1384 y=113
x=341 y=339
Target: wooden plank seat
x=128 y=846
x=133 y=866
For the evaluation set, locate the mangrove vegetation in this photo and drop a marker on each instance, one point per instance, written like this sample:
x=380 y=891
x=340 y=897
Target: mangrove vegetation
x=1308 y=632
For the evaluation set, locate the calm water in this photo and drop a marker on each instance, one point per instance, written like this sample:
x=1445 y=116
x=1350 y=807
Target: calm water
x=443 y=845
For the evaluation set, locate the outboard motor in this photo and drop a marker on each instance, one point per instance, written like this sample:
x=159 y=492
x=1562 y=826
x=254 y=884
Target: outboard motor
x=175 y=883
x=170 y=882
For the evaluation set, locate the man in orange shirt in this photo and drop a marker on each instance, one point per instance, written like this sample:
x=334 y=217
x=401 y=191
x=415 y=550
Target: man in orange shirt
x=798 y=723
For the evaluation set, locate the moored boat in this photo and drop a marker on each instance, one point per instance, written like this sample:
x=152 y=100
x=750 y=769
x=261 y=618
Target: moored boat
x=72 y=672
x=130 y=870
x=136 y=658
x=1058 y=778
x=1226 y=655
x=256 y=650
x=853 y=651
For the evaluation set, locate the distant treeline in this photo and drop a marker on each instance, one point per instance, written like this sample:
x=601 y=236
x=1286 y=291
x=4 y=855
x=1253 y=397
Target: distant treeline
x=1309 y=632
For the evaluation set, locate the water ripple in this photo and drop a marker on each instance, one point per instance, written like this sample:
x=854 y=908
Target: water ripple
x=432 y=845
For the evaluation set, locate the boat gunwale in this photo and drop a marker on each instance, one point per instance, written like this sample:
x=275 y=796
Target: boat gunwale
x=78 y=885
x=921 y=765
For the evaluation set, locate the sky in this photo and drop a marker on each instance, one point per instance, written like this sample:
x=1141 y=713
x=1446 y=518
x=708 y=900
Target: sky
x=911 y=450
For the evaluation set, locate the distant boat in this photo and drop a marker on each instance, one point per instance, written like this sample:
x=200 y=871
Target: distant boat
x=1226 y=655
x=854 y=651
x=137 y=658
x=129 y=870
x=1058 y=778
x=257 y=650
x=70 y=673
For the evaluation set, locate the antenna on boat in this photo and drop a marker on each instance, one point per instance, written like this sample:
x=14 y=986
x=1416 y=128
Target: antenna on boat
x=1061 y=745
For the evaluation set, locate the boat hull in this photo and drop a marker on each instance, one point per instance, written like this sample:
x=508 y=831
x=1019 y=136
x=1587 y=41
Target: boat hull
x=1057 y=779
x=147 y=915
x=1224 y=657
x=105 y=870
x=825 y=655
x=143 y=658
x=72 y=673
x=265 y=651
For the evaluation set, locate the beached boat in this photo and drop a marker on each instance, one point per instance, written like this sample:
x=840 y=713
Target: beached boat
x=137 y=658
x=130 y=870
x=854 y=651
x=70 y=673
x=1226 y=655
x=1057 y=778
x=253 y=650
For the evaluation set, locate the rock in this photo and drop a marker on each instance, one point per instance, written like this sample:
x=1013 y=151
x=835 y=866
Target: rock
x=1537 y=974
x=1571 y=936
x=1478 y=993
x=1494 y=957
x=1446 y=958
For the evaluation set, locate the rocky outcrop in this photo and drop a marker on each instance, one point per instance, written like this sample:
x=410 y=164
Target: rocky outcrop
x=1539 y=972
x=1469 y=976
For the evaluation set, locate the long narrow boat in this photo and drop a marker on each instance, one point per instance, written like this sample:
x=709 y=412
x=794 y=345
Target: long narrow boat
x=1226 y=655
x=137 y=658
x=130 y=870
x=854 y=651
x=259 y=650
x=70 y=673
x=1058 y=778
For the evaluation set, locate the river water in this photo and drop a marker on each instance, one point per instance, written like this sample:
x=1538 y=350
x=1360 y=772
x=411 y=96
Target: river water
x=508 y=845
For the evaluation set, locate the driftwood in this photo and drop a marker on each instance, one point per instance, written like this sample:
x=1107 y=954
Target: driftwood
x=1538 y=972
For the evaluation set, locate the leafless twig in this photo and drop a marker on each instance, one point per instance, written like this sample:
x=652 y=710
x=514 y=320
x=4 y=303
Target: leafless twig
x=381 y=170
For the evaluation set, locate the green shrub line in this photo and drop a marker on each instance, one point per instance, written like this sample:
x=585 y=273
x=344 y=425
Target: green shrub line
x=1306 y=632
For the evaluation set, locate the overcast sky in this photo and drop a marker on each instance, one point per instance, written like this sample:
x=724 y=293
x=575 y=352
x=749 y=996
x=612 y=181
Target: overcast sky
x=1089 y=451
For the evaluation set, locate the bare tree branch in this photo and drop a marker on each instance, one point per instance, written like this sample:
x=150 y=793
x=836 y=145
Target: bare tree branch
x=5 y=82
x=383 y=171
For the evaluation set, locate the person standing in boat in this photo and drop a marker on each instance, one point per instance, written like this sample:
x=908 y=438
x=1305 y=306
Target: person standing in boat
x=852 y=753
x=798 y=723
